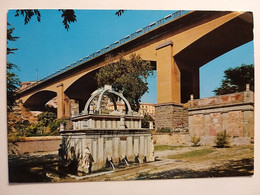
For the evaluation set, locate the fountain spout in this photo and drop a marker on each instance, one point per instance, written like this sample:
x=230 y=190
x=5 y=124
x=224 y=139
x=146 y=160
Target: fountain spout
x=127 y=164
x=137 y=159
x=112 y=165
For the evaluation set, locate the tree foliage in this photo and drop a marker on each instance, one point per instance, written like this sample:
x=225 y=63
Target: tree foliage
x=46 y=125
x=120 y=12
x=128 y=76
x=146 y=121
x=12 y=79
x=235 y=80
x=28 y=14
x=46 y=118
x=68 y=16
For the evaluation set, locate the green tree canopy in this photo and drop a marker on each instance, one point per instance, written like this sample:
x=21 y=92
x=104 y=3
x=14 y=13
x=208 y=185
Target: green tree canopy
x=46 y=118
x=235 y=80
x=146 y=121
x=128 y=76
x=12 y=79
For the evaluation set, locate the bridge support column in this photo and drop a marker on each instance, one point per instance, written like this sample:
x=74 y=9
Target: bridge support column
x=196 y=83
x=169 y=110
x=63 y=103
x=168 y=75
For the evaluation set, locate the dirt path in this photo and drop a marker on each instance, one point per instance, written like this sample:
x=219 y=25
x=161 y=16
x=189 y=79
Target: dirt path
x=186 y=162
x=190 y=163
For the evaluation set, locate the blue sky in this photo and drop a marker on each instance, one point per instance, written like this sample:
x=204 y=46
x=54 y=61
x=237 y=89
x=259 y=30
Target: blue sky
x=47 y=46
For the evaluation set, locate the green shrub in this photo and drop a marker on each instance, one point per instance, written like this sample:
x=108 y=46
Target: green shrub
x=195 y=140
x=146 y=121
x=222 y=139
x=46 y=118
x=164 y=130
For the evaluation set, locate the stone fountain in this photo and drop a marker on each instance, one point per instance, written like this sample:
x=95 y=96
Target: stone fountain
x=105 y=138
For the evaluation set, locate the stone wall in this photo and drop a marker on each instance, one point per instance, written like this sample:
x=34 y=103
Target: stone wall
x=35 y=144
x=175 y=139
x=171 y=116
x=233 y=113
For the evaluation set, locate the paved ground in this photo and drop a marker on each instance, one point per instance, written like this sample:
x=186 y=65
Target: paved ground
x=186 y=162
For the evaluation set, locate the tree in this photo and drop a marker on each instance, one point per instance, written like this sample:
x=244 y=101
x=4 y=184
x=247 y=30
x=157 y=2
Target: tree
x=68 y=16
x=120 y=12
x=235 y=80
x=146 y=121
x=128 y=76
x=46 y=118
x=12 y=79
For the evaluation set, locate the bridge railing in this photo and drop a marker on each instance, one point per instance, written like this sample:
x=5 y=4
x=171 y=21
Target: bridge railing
x=127 y=38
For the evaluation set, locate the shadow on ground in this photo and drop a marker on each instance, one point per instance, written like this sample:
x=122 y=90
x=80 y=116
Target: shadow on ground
x=244 y=167
x=31 y=168
x=43 y=168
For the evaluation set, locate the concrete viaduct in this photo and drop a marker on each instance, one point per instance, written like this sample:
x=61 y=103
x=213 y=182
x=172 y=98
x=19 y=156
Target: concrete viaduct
x=177 y=49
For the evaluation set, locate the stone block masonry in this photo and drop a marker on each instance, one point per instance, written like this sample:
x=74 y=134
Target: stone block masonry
x=171 y=115
x=209 y=116
x=233 y=113
x=34 y=145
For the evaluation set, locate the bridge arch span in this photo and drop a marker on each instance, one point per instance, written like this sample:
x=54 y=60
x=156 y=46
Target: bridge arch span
x=37 y=101
x=81 y=88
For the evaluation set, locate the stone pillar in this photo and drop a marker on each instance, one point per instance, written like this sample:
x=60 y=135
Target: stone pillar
x=94 y=150
x=114 y=124
x=63 y=103
x=132 y=124
x=196 y=83
x=67 y=107
x=170 y=115
x=129 y=148
x=150 y=147
x=122 y=123
x=108 y=149
x=168 y=75
x=136 y=124
x=103 y=125
x=115 y=150
x=150 y=125
x=136 y=146
x=122 y=149
x=90 y=123
x=140 y=124
x=98 y=123
x=128 y=124
x=109 y=124
x=146 y=146
x=100 y=154
x=141 y=149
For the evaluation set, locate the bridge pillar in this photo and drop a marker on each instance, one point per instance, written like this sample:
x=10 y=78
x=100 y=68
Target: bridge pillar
x=196 y=83
x=169 y=110
x=63 y=103
x=168 y=75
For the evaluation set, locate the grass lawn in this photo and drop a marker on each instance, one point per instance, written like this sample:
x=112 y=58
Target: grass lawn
x=192 y=154
x=166 y=147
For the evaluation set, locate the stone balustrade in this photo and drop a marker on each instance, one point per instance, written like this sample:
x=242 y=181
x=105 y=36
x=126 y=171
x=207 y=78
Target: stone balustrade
x=106 y=122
